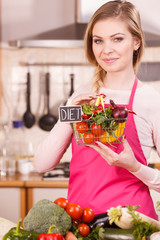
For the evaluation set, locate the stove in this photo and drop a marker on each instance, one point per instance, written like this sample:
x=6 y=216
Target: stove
x=60 y=172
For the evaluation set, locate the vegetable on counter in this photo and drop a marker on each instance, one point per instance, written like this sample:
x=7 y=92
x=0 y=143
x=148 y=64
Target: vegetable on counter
x=17 y=233
x=74 y=210
x=125 y=217
x=116 y=234
x=70 y=236
x=129 y=218
x=62 y=202
x=44 y=214
x=84 y=229
x=88 y=215
x=155 y=236
x=5 y=226
x=50 y=235
x=101 y=220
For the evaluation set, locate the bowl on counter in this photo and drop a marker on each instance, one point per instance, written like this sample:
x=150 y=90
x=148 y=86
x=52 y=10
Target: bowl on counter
x=24 y=166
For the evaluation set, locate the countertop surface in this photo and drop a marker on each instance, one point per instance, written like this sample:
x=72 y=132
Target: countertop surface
x=31 y=180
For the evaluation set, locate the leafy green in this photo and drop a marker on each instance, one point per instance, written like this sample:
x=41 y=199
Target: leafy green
x=94 y=234
x=87 y=109
x=103 y=117
x=141 y=228
x=99 y=118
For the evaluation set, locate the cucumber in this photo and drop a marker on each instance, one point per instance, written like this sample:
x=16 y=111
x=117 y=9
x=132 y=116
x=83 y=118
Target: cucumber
x=116 y=234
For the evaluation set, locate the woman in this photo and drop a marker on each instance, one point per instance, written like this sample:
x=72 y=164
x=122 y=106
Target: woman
x=100 y=176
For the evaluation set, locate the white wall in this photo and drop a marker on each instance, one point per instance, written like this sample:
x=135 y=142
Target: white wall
x=149 y=11
x=23 y=18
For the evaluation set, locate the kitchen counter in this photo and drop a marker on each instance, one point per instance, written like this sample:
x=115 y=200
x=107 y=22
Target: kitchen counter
x=31 y=180
x=27 y=185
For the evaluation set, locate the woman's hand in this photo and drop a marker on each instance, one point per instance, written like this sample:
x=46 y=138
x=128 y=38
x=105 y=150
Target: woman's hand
x=125 y=159
x=83 y=98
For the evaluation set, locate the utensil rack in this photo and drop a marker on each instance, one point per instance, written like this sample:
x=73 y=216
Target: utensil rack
x=39 y=64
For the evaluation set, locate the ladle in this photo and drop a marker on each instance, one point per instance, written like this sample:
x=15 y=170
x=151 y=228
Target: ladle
x=28 y=117
x=47 y=121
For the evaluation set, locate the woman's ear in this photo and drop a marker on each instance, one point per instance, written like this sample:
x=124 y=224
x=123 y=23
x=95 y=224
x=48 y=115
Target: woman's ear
x=137 y=43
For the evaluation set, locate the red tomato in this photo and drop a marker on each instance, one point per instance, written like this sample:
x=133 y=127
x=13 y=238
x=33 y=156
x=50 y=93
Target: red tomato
x=84 y=229
x=88 y=215
x=97 y=129
x=62 y=202
x=82 y=127
x=88 y=137
x=74 y=210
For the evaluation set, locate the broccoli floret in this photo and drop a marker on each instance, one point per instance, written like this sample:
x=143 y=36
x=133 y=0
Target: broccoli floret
x=44 y=214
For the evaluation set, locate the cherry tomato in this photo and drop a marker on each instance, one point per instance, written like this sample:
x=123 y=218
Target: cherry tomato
x=84 y=229
x=82 y=127
x=97 y=129
x=88 y=137
x=62 y=202
x=74 y=210
x=88 y=215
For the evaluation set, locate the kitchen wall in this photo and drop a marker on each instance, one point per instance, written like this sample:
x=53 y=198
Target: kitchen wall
x=14 y=81
x=21 y=19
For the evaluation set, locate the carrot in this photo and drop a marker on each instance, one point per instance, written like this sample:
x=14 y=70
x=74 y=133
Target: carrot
x=70 y=236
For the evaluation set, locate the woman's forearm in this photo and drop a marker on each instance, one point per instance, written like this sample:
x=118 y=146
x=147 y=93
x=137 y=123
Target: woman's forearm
x=51 y=150
x=150 y=176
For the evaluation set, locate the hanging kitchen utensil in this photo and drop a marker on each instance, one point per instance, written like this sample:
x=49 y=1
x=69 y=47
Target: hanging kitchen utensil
x=28 y=117
x=72 y=87
x=63 y=101
x=47 y=121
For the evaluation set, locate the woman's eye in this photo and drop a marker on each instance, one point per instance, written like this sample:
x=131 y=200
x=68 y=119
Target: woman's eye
x=118 y=39
x=97 y=41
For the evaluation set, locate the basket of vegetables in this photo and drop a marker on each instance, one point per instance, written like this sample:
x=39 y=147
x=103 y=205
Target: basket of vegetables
x=100 y=123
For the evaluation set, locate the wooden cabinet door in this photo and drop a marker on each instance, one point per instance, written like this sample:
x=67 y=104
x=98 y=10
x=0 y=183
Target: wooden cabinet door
x=10 y=203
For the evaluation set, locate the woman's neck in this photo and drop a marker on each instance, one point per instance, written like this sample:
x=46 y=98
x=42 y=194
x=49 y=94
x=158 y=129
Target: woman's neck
x=119 y=81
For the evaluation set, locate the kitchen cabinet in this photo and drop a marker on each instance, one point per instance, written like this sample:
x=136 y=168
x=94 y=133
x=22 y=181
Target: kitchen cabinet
x=50 y=194
x=10 y=203
x=19 y=193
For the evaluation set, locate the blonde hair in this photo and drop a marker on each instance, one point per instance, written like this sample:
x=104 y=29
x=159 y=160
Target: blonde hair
x=125 y=11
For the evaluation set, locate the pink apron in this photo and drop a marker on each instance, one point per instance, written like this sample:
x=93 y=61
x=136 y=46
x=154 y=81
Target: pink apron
x=94 y=183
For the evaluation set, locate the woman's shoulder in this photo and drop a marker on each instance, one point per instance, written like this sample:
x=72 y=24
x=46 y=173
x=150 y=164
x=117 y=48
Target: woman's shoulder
x=146 y=92
x=147 y=98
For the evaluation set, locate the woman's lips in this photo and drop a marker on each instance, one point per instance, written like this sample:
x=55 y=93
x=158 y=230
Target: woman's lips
x=110 y=60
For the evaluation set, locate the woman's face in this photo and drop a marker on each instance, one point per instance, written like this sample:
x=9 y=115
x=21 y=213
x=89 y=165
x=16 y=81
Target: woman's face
x=113 y=45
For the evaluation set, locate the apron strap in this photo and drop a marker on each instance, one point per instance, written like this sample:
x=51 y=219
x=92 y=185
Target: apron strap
x=133 y=93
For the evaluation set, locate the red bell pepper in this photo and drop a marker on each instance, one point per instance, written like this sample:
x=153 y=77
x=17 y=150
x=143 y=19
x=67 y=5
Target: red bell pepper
x=50 y=235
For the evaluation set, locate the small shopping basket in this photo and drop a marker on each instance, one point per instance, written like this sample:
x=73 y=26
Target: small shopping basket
x=99 y=126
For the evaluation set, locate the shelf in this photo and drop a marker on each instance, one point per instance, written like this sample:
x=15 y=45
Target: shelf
x=40 y=64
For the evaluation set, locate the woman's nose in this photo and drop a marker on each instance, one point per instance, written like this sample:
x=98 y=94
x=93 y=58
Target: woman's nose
x=107 y=47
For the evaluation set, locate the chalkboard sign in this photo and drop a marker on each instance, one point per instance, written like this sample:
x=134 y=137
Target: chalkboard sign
x=70 y=113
